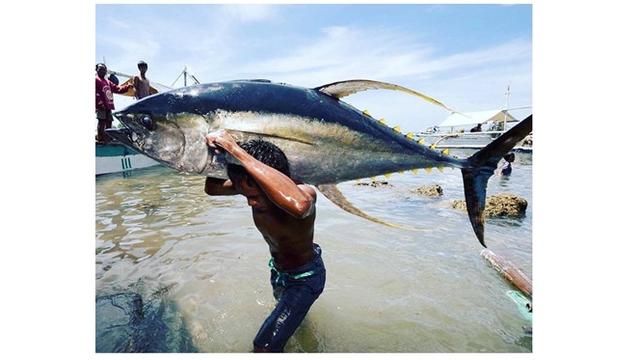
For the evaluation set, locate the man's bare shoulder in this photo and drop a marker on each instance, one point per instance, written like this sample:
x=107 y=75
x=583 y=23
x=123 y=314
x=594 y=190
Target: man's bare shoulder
x=309 y=190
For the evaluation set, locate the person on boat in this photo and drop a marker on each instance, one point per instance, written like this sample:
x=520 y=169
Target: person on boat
x=505 y=169
x=104 y=101
x=477 y=128
x=284 y=212
x=140 y=82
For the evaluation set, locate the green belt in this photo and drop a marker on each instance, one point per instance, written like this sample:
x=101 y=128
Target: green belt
x=295 y=277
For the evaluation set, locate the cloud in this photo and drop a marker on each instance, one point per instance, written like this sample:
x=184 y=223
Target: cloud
x=341 y=52
x=118 y=24
x=248 y=13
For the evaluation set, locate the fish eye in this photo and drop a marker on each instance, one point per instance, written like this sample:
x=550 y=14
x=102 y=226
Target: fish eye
x=147 y=122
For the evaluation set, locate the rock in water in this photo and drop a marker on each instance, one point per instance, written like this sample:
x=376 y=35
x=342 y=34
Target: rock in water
x=500 y=205
x=374 y=183
x=430 y=190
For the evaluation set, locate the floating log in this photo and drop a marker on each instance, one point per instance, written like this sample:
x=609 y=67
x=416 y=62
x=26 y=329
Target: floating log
x=509 y=271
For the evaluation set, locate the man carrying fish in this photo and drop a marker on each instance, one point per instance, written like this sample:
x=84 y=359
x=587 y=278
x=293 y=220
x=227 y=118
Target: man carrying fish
x=284 y=212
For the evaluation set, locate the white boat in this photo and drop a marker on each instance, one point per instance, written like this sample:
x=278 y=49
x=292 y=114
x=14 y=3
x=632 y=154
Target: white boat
x=116 y=158
x=473 y=130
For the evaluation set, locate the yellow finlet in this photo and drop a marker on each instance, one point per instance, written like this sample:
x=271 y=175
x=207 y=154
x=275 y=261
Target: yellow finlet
x=422 y=141
x=382 y=121
x=409 y=135
x=366 y=112
x=373 y=179
x=396 y=128
x=432 y=146
x=428 y=170
x=445 y=152
x=414 y=171
x=441 y=168
x=387 y=175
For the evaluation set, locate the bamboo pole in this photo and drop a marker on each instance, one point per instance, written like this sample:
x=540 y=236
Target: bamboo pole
x=509 y=271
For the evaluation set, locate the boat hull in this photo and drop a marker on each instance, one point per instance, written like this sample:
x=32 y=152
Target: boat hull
x=115 y=158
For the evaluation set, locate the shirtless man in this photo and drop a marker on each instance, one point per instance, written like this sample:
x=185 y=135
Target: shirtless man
x=285 y=214
x=140 y=82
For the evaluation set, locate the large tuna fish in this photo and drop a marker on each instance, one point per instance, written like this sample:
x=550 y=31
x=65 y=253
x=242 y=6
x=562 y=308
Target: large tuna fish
x=326 y=140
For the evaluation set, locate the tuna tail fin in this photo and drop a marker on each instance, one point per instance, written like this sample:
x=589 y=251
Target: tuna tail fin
x=481 y=166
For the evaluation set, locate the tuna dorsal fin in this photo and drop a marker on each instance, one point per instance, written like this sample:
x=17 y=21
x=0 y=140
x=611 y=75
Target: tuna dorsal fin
x=332 y=193
x=348 y=87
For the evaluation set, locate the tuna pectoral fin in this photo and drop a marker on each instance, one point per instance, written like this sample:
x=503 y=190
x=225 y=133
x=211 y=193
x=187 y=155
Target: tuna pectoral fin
x=481 y=166
x=348 y=87
x=332 y=193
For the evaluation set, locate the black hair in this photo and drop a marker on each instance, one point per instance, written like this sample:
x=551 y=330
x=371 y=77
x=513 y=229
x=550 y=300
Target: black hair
x=265 y=152
x=510 y=157
x=100 y=64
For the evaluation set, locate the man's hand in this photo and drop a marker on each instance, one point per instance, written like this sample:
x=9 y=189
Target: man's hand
x=221 y=140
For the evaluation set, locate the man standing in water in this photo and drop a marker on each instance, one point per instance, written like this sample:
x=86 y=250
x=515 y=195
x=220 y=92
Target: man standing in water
x=284 y=213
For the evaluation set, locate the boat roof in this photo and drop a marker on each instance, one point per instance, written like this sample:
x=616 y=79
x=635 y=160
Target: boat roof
x=476 y=117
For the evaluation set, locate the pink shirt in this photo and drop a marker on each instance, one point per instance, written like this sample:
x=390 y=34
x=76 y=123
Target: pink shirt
x=104 y=93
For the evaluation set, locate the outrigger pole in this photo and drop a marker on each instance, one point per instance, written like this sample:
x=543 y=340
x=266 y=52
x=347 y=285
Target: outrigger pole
x=184 y=74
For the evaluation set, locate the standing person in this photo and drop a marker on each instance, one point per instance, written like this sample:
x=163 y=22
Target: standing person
x=140 y=82
x=104 y=101
x=505 y=169
x=285 y=215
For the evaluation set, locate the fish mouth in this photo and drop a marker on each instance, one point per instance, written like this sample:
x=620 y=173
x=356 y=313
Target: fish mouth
x=122 y=116
x=122 y=136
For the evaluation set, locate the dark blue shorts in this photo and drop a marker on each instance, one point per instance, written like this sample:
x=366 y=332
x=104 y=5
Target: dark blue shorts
x=295 y=291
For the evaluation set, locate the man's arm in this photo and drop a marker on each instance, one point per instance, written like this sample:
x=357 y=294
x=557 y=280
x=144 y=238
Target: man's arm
x=278 y=187
x=213 y=187
x=119 y=89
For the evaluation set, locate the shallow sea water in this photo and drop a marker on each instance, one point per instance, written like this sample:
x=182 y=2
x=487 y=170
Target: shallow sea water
x=199 y=267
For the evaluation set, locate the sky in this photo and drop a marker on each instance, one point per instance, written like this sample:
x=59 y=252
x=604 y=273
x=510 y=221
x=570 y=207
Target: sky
x=463 y=55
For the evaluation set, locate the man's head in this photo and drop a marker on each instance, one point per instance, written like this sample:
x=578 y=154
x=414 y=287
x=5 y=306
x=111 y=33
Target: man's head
x=101 y=70
x=142 y=66
x=510 y=157
x=268 y=154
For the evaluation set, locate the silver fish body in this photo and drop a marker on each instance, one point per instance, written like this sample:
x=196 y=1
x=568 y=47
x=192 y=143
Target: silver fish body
x=325 y=139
